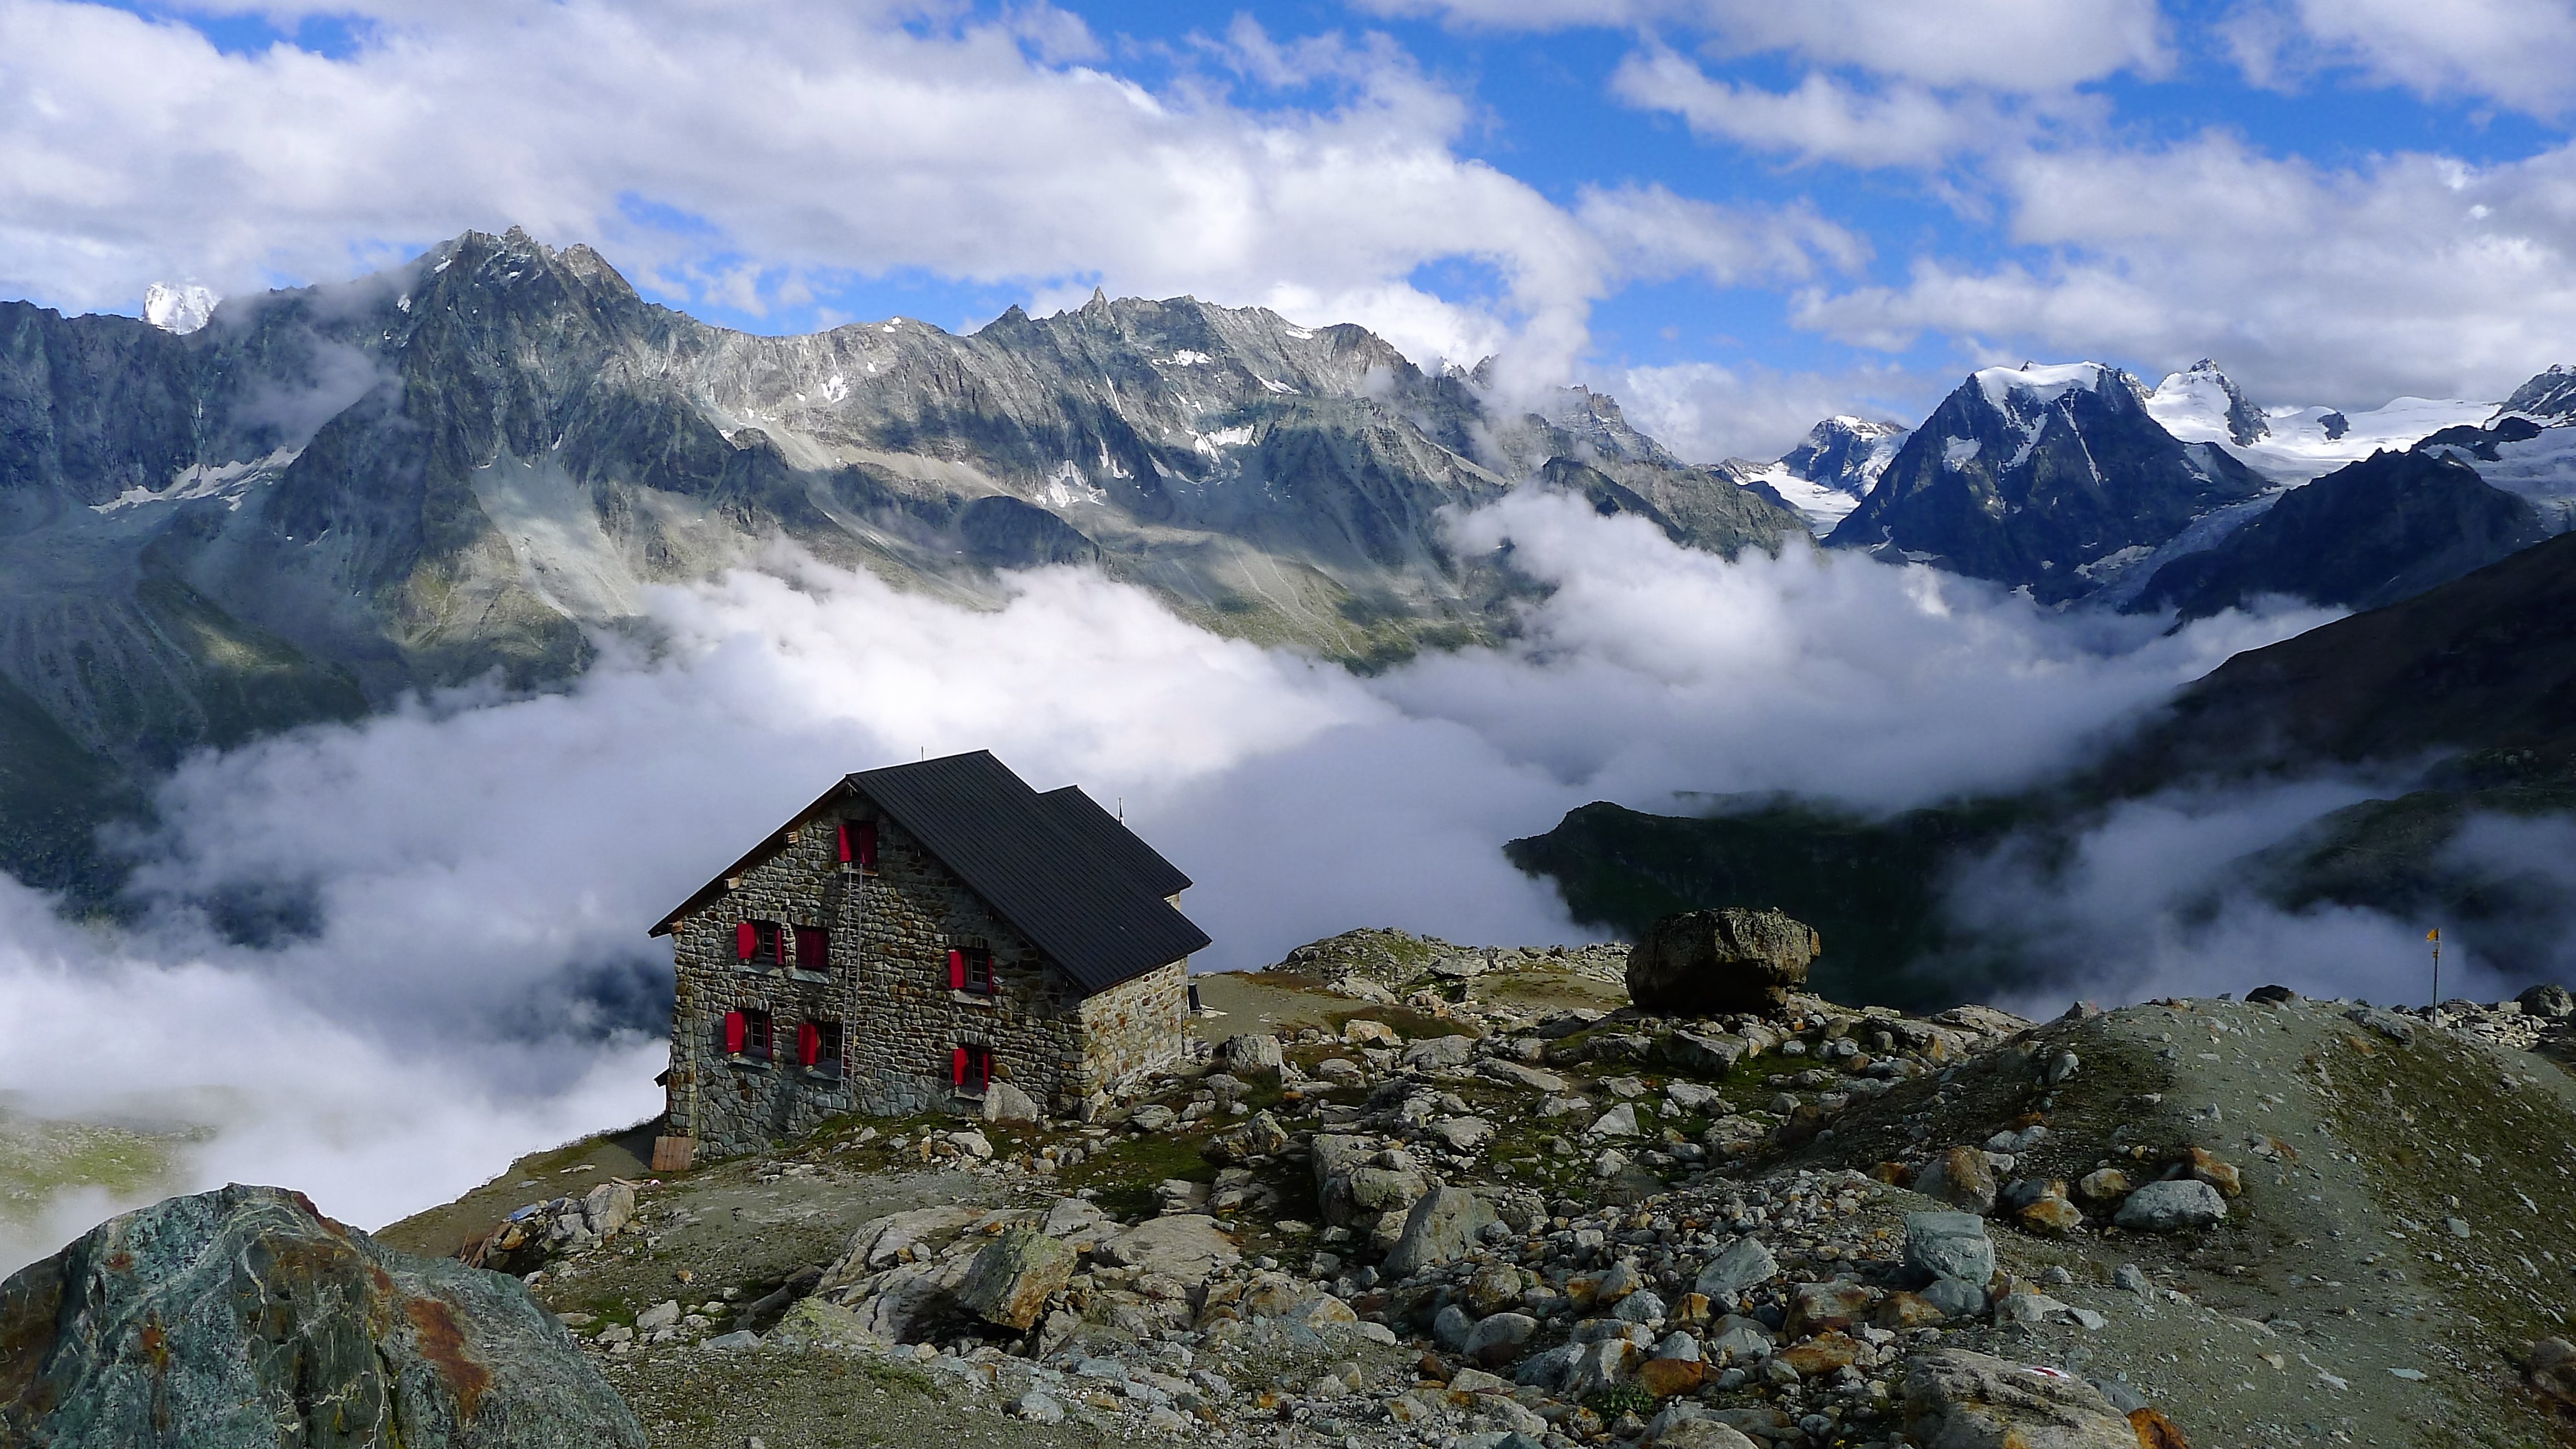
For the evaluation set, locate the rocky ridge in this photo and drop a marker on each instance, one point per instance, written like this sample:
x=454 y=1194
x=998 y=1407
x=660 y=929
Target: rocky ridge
x=1807 y=1226
x=322 y=499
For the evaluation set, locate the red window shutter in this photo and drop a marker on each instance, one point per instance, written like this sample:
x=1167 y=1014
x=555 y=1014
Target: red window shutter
x=813 y=949
x=868 y=844
x=746 y=941
x=809 y=1044
x=733 y=1033
x=984 y=1068
x=846 y=853
x=957 y=1067
x=956 y=970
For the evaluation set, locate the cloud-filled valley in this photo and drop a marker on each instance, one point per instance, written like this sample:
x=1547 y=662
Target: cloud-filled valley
x=443 y=908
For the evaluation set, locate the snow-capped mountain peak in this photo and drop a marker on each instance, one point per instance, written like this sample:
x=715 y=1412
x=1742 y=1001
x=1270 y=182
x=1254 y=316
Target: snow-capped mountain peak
x=2201 y=404
x=2548 y=397
x=181 y=309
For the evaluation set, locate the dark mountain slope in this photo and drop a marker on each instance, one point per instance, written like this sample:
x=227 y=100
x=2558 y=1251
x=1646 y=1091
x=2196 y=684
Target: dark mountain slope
x=2484 y=662
x=2366 y=535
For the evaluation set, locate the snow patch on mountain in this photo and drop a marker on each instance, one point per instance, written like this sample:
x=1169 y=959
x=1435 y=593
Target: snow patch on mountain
x=2044 y=384
x=1821 y=505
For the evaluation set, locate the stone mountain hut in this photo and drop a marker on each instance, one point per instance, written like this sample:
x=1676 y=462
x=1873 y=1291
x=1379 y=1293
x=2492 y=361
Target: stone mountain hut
x=914 y=937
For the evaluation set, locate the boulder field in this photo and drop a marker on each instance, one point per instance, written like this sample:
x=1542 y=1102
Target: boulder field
x=1455 y=1197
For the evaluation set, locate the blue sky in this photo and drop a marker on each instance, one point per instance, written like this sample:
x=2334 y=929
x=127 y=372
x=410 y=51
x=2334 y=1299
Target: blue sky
x=1736 y=216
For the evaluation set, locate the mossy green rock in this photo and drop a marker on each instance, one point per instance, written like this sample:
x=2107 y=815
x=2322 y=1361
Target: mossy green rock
x=243 y=1317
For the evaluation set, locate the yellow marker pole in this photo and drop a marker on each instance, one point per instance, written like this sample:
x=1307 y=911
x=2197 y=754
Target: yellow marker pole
x=2435 y=936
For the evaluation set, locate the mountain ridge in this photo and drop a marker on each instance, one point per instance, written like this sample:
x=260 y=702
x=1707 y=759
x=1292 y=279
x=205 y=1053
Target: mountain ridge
x=324 y=498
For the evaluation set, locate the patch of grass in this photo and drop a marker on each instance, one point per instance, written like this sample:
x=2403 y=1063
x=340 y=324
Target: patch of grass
x=1124 y=1171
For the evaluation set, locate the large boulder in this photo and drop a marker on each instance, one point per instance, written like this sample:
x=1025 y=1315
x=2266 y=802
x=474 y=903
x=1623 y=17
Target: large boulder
x=1013 y=1277
x=1703 y=963
x=1955 y=1399
x=1442 y=1227
x=244 y=1319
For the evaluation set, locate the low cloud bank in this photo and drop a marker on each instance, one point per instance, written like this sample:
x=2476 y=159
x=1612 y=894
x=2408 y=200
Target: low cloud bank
x=448 y=903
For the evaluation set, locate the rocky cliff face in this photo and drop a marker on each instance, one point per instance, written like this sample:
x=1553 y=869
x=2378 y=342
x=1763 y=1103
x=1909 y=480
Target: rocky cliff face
x=2050 y=478
x=243 y=1318
x=322 y=498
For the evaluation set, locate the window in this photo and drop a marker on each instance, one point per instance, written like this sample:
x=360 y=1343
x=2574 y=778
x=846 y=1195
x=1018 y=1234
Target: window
x=813 y=949
x=970 y=1068
x=746 y=1034
x=970 y=968
x=818 y=1045
x=756 y=943
x=859 y=844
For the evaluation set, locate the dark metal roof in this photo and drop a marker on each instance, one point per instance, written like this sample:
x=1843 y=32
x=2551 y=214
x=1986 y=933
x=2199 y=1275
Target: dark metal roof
x=1063 y=870
x=1106 y=838
x=1090 y=895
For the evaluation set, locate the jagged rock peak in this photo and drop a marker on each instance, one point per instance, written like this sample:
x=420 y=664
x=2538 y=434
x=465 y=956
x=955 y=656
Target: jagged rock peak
x=1846 y=453
x=2549 y=394
x=2201 y=392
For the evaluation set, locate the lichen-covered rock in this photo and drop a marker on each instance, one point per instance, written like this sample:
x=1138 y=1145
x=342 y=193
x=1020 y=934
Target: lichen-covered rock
x=1704 y=963
x=1962 y=1178
x=1955 y=1399
x=243 y=1317
x=1013 y=1277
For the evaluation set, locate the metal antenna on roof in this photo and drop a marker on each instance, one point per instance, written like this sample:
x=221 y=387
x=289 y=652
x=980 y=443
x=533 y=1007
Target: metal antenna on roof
x=1122 y=809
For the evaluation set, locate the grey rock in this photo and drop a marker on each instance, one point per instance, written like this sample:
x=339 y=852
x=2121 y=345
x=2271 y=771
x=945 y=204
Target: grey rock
x=1037 y=1407
x=1184 y=1246
x=1498 y=1338
x=1547 y=1369
x=2548 y=999
x=608 y=1208
x=1956 y=1297
x=1706 y=963
x=660 y=1315
x=736 y=1341
x=1253 y=1056
x=1439 y=1051
x=1534 y=1078
x=1006 y=1103
x=1677 y=1345
x=1949 y=1245
x=1955 y=1399
x=2165 y=1207
x=1643 y=1306
x=1744 y=1263
x=243 y=1319
x=1704 y=1054
x=1070 y=1216
x=1440 y=1229
x=1738 y=1340
x=2387 y=1023
x=1619 y=1121
x=1450 y=1328
x=1261 y=1135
